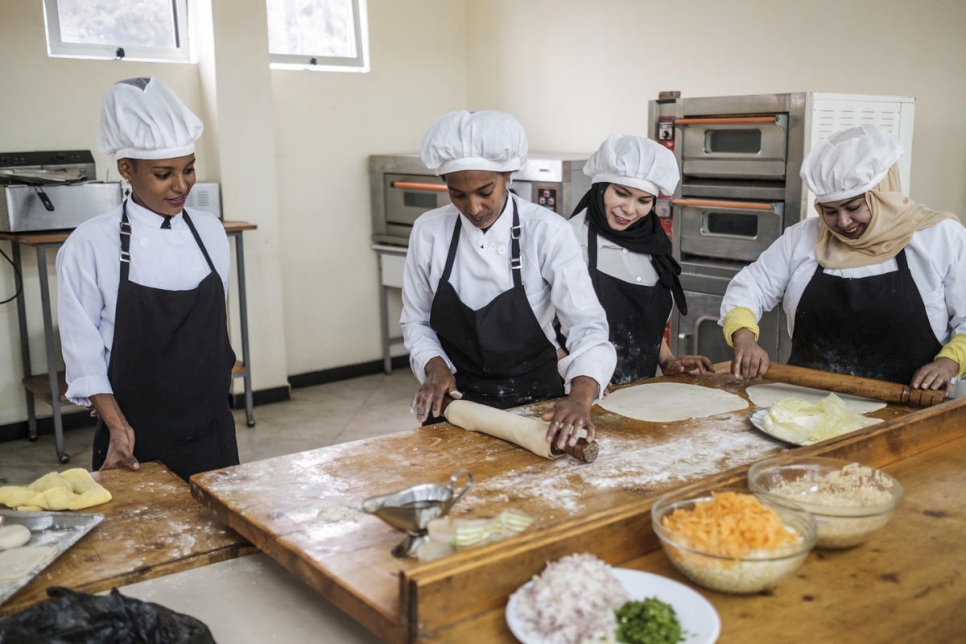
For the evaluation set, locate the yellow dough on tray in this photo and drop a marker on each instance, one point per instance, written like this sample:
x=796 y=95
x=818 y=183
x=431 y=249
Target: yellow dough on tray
x=527 y=432
x=70 y=490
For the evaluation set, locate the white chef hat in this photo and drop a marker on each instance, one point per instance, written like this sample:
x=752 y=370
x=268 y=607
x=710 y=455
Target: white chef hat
x=485 y=140
x=634 y=161
x=141 y=118
x=850 y=162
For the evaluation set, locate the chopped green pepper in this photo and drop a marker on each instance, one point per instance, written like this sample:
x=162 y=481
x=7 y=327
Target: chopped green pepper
x=648 y=622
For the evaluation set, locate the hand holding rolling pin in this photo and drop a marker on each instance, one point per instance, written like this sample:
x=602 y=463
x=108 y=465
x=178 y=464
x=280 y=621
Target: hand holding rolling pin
x=439 y=383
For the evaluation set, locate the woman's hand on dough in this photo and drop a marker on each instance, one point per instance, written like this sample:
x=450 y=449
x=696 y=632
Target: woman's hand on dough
x=572 y=414
x=750 y=361
x=687 y=364
x=937 y=374
x=439 y=383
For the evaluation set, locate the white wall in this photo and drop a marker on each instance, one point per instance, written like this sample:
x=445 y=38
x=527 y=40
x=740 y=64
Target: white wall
x=574 y=71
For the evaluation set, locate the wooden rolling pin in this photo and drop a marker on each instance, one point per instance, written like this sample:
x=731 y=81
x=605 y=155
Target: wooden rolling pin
x=844 y=384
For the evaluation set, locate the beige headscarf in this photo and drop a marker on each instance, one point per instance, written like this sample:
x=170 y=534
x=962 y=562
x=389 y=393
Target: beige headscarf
x=895 y=217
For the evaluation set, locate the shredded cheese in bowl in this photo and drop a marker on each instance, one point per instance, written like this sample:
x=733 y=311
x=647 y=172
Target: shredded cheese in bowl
x=849 y=501
x=732 y=541
x=573 y=600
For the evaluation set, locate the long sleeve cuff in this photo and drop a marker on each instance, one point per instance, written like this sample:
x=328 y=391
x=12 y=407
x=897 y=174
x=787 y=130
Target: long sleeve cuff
x=739 y=318
x=80 y=390
x=955 y=350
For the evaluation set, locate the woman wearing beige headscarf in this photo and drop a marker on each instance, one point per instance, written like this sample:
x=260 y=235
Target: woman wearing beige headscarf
x=874 y=287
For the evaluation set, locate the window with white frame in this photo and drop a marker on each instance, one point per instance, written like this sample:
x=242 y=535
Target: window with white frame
x=150 y=30
x=329 y=35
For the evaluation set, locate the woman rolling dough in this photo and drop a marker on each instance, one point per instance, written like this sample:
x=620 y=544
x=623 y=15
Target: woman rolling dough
x=875 y=286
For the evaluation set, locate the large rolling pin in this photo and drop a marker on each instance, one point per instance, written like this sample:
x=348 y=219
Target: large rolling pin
x=844 y=384
x=527 y=432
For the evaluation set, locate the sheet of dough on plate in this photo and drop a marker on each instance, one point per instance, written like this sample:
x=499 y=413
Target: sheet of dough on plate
x=765 y=395
x=527 y=432
x=16 y=563
x=666 y=402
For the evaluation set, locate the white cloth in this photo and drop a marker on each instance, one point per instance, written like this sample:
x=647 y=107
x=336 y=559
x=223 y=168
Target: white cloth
x=554 y=276
x=615 y=260
x=485 y=140
x=936 y=258
x=141 y=118
x=88 y=273
x=634 y=161
x=850 y=162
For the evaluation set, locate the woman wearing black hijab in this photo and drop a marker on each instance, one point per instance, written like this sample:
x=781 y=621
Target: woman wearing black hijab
x=628 y=254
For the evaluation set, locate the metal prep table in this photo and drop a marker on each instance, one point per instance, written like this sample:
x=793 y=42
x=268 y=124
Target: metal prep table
x=391 y=261
x=43 y=385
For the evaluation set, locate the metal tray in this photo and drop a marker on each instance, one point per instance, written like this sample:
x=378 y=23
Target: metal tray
x=62 y=529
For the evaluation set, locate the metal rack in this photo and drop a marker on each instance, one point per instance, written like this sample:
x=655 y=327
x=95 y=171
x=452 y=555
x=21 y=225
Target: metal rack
x=44 y=385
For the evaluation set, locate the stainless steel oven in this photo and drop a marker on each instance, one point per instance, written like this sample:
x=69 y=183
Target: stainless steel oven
x=740 y=189
x=401 y=189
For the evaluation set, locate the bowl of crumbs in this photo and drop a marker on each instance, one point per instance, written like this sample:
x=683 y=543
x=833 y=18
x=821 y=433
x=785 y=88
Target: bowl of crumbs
x=849 y=501
x=732 y=541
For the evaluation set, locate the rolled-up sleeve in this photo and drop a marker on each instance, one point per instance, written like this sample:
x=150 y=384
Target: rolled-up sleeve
x=417 y=296
x=582 y=318
x=79 y=307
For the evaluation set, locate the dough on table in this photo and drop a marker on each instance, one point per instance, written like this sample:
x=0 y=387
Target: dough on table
x=13 y=536
x=74 y=489
x=16 y=563
x=765 y=395
x=527 y=432
x=666 y=402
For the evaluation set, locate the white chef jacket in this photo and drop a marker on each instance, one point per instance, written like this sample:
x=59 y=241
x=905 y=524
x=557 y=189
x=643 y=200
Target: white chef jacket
x=613 y=259
x=936 y=258
x=88 y=274
x=554 y=277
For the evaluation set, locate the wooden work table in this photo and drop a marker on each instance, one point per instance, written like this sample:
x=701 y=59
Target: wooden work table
x=302 y=510
x=151 y=527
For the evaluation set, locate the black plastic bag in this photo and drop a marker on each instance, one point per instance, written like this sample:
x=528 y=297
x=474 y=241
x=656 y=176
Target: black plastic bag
x=71 y=617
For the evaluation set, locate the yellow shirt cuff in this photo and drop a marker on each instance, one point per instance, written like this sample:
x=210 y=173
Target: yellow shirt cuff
x=955 y=350
x=739 y=318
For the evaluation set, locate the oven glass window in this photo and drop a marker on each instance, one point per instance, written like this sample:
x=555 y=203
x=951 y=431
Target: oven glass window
x=423 y=200
x=729 y=223
x=733 y=141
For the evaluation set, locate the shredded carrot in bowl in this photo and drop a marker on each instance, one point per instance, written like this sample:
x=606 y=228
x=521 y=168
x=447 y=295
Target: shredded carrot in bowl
x=729 y=524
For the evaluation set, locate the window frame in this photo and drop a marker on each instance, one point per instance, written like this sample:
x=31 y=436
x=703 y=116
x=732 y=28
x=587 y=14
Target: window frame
x=181 y=53
x=358 y=64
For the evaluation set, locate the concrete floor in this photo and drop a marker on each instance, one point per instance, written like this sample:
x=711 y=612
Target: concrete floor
x=315 y=417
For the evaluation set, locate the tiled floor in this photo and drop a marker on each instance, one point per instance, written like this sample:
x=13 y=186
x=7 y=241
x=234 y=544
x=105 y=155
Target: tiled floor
x=315 y=417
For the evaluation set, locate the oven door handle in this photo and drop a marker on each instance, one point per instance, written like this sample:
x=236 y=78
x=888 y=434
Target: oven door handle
x=734 y=205
x=414 y=185
x=726 y=120
x=697 y=324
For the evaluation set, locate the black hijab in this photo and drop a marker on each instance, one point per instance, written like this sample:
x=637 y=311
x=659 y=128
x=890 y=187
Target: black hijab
x=645 y=236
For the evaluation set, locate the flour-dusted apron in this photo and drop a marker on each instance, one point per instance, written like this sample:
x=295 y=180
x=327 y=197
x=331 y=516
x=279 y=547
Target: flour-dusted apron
x=502 y=356
x=637 y=316
x=170 y=369
x=873 y=327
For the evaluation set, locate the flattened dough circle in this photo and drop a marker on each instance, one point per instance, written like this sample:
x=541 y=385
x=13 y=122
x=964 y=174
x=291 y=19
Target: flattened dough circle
x=765 y=395
x=13 y=536
x=16 y=563
x=666 y=402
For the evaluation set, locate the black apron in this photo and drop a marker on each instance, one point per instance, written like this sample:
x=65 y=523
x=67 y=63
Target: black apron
x=170 y=369
x=873 y=327
x=502 y=356
x=637 y=316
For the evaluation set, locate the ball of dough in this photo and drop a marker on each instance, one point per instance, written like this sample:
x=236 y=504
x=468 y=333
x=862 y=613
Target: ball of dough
x=13 y=536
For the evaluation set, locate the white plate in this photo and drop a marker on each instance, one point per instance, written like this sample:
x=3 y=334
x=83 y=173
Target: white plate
x=757 y=418
x=698 y=618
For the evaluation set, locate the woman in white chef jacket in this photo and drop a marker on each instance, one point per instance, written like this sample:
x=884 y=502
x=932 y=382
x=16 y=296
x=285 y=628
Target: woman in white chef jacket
x=483 y=280
x=141 y=298
x=875 y=286
x=628 y=254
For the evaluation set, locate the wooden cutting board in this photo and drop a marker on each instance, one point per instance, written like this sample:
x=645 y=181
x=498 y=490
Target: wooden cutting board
x=299 y=508
x=152 y=527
